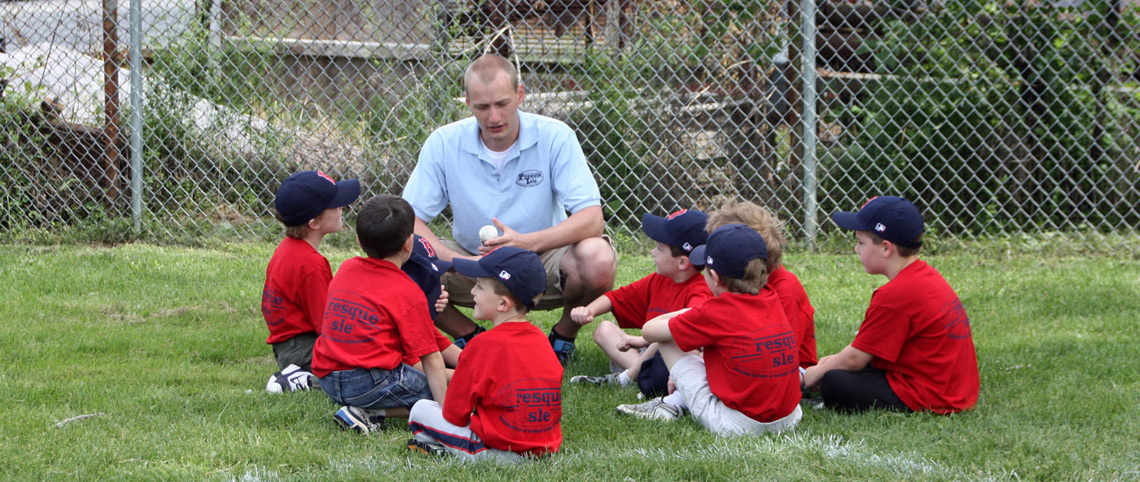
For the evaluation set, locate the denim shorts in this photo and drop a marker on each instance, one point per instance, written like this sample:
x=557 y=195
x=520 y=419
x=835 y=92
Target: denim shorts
x=376 y=388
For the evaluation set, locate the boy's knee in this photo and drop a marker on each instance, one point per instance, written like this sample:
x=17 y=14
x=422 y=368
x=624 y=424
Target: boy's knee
x=604 y=331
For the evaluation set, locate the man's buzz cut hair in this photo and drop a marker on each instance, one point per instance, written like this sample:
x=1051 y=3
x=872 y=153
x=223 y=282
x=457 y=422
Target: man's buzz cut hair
x=485 y=69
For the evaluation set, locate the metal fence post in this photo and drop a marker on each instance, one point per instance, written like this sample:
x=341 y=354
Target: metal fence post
x=136 y=114
x=807 y=67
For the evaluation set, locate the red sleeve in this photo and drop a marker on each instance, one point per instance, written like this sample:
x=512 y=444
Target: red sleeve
x=461 y=398
x=696 y=294
x=687 y=332
x=630 y=303
x=883 y=331
x=313 y=294
x=416 y=331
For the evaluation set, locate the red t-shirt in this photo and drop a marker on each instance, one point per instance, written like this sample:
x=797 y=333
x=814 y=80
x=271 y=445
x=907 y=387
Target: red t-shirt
x=654 y=295
x=508 y=385
x=296 y=283
x=749 y=350
x=798 y=309
x=918 y=332
x=375 y=317
x=441 y=342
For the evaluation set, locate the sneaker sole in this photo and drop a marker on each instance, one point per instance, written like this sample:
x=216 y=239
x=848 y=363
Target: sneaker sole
x=425 y=448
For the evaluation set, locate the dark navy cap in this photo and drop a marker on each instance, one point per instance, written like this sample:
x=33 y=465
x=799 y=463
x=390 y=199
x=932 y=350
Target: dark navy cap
x=729 y=250
x=423 y=248
x=425 y=269
x=304 y=195
x=521 y=271
x=684 y=229
x=892 y=218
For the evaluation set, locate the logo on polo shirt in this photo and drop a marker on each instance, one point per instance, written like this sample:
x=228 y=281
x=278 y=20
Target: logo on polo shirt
x=529 y=178
x=765 y=353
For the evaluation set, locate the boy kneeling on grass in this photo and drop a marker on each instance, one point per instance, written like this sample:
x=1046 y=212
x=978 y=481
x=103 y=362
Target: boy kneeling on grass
x=377 y=319
x=747 y=381
x=914 y=350
x=505 y=397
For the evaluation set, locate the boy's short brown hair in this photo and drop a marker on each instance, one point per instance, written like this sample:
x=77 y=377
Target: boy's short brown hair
x=295 y=232
x=755 y=277
x=502 y=290
x=904 y=251
x=758 y=218
x=384 y=224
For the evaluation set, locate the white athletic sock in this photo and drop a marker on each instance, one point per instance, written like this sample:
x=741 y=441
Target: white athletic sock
x=674 y=398
x=623 y=379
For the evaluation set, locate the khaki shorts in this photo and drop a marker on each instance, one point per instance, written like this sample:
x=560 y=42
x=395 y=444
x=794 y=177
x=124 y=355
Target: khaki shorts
x=459 y=286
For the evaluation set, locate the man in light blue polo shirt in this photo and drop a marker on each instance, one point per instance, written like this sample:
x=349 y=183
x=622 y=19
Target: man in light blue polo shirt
x=523 y=174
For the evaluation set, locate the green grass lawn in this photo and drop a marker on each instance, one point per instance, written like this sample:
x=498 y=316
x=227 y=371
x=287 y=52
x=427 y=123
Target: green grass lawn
x=165 y=346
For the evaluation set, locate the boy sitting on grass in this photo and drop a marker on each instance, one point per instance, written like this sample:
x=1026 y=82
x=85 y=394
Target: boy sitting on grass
x=747 y=380
x=375 y=319
x=914 y=350
x=793 y=297
x=310 y=205
x=505 y=398
x=676 y=284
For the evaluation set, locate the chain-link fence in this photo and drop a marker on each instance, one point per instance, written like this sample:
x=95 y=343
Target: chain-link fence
x=998 y=118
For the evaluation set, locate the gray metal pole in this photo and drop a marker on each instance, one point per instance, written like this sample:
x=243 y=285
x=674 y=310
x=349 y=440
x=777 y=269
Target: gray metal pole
x=136 y=114
x=809 y=120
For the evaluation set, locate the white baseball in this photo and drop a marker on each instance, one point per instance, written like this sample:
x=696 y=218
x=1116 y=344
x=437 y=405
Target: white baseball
x=487 y=232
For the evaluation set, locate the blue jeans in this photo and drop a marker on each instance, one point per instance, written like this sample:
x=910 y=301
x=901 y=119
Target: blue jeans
x=376 y=388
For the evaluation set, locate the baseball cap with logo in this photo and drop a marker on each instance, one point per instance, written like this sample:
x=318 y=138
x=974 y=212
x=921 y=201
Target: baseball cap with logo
x=521 y=271
x=425 y=268
x=304 y=195
x=729 y=250
x=890 y=217
x=684 y=229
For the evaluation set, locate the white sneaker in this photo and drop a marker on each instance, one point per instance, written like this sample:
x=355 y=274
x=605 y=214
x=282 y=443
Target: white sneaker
x=655 y=409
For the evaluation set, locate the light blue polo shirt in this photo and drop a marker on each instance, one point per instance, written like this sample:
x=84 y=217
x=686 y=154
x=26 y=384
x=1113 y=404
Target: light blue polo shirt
x=545 y=175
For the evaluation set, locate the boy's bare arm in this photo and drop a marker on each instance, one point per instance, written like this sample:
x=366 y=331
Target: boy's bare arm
x=850 y=358
x=436 y=376
x=583 y=315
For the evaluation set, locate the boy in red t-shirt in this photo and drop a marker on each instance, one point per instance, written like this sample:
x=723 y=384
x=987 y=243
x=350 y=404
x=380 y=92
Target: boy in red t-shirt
x=505 y=398
x=310 y=205
x=747 y=380
x=793 y=297
x=676 y=284
x=375 y=319
x=914 y=350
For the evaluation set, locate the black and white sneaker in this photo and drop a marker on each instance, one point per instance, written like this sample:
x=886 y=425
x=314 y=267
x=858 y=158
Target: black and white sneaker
x=358 y=420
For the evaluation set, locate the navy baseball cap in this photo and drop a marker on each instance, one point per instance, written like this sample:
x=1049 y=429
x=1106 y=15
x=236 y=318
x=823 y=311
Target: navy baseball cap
x=423 y=248
x=729 y=250
x=521 y=271
x=426 y=269
x=684 y=229
x=890 y=217
x=304 y=195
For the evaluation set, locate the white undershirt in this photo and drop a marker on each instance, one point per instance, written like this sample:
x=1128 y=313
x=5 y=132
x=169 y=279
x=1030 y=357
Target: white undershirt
x=497 y=158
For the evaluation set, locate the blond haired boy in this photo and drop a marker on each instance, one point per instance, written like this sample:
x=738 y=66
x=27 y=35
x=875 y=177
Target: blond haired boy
x=746 y=382
x=793 y=297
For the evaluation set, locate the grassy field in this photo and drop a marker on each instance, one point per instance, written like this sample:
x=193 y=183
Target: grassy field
x=164 y=346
